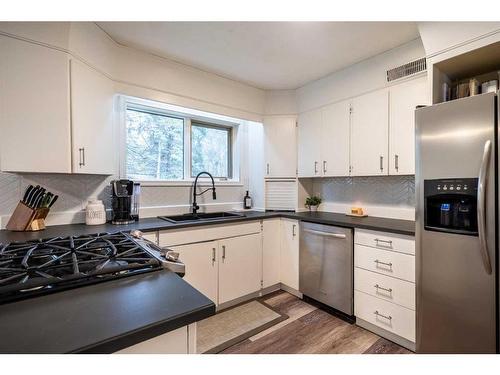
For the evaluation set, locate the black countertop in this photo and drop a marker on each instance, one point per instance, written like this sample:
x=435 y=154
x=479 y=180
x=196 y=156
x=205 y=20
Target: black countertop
x=109 y=316
x=151 y=224
x=102 y=318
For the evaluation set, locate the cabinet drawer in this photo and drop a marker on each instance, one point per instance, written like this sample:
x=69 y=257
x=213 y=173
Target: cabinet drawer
x=206 y=233
x=389 y=316
x=387 y=288
x=385 y=241
x=385 y=262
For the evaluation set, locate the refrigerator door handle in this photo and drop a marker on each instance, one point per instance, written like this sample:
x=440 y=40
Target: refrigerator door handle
x=481 y=206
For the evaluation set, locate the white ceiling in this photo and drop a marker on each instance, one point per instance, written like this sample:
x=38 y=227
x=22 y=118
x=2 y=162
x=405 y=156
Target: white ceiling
x=267 y=55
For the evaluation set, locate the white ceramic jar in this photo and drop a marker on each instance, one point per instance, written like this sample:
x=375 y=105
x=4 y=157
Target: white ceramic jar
x=95 y=213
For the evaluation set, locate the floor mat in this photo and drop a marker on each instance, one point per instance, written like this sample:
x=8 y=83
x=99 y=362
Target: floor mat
x=235 y=324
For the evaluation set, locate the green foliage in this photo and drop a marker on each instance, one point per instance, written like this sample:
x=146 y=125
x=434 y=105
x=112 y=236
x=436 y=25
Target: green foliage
x=313 y=200
x=155 y=148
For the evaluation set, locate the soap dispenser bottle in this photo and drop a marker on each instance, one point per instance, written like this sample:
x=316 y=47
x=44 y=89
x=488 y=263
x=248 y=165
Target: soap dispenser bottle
x=247 y=202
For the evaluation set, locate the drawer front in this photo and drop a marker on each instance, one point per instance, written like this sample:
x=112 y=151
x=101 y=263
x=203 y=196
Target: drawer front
x=385 y=262
x=385 y=241
x=389 y=316
x=206 y=233
x=387 y=288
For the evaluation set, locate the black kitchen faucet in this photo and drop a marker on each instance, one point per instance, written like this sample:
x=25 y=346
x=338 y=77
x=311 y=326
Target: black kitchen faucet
x=214 y=196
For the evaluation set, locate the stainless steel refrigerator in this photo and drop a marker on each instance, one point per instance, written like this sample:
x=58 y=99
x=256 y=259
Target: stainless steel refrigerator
x=456 y=231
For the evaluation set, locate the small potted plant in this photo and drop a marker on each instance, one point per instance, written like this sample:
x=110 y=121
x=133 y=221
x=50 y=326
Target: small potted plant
x=313 y=202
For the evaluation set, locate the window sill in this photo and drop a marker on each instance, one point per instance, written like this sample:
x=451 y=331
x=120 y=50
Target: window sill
x=188 y=183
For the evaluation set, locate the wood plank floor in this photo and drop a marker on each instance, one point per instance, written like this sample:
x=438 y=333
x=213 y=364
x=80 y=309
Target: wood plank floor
x=311 y=330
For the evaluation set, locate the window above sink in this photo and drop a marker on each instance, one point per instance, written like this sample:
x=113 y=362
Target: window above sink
x=167 y=145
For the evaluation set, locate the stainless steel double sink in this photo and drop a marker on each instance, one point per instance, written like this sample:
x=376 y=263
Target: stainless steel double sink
x=201 y=217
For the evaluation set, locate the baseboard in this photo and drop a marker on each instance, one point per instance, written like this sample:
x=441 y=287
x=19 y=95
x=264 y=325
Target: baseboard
x=386 y=334
x=290 y=290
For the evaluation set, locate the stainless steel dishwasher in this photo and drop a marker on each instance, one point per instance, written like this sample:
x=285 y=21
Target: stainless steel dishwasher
x=326 y=265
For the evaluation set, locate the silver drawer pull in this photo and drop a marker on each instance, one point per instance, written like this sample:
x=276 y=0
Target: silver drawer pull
x=383 y=316
x=326 y=234
x=389 y=290
x=384 y=263
x=388 y=242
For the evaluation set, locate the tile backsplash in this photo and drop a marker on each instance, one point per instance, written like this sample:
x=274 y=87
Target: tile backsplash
x=376 y=190
x=74 y=190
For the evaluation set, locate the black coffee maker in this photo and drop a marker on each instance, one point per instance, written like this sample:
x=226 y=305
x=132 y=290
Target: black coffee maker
x=125 y=201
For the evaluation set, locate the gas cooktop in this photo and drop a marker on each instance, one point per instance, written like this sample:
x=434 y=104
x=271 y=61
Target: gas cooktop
x=39 y=267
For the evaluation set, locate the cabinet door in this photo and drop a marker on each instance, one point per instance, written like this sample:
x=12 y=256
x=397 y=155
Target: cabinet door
x=271 y=252
x=289 y=268
x=335 y=139
x=309 y=144
x=280 y=146
x=173 y=342
x=240 y=266
x=201 y=266
x=34 y=108
x=369 y=134
x=92 y=121
x=403 y=100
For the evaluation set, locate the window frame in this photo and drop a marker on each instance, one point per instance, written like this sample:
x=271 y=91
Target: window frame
x=211 y=125
x=162 y=109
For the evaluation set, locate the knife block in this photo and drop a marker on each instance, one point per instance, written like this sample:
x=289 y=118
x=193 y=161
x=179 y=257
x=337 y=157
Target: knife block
x=25 y=218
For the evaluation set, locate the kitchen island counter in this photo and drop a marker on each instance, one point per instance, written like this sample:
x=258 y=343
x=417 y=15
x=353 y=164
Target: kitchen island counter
x=103 y=317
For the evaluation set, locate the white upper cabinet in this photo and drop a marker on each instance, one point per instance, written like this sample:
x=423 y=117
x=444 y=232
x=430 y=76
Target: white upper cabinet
x=403 y=100
x=335 y=140
x=309 y=143
x=34 y=108
x=280 y=146
x=93 y=143
x=369 y=134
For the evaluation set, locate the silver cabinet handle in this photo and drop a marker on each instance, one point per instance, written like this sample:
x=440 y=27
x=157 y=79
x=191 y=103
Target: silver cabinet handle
x=326 y=234
x=384 y=263
x=267 y=168
x=378 y=241
x=381 y=163
x=213 y=256
x=396 y=162
x=315 y=167
x=293 y=230
x=81 y=152
x=324 y=166
x=388 y=317
x=376 y=286
x=223 y=253
x=481 y=206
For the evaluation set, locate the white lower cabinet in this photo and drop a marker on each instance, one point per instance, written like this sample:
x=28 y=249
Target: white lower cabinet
x=201 y=266
x=387 y=288
x=384 y=283
x=173 y=342
x=271 y=238
x=240 y=267
x=289 y=253
x=226 y=269
x=389 y=316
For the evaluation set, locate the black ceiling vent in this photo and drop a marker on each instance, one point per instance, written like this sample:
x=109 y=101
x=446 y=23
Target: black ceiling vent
x=407 y=69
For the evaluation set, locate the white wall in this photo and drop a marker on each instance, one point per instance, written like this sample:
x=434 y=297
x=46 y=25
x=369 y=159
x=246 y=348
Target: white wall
x=136 y=70
x=280 y=102
x=439 y=37
x=365 y=76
